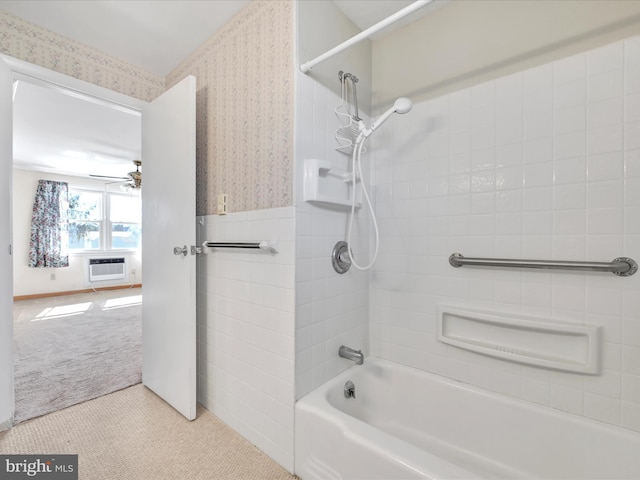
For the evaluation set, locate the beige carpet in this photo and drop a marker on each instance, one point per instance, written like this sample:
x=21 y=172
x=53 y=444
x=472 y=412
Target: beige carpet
x=134 y=435
x=73 y=348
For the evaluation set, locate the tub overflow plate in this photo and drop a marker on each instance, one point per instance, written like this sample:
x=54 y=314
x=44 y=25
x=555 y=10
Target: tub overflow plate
x=349 y=389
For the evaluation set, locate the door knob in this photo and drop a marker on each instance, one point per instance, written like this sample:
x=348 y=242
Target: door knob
x=180 y=251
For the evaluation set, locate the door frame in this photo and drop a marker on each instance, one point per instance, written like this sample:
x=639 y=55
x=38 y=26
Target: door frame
x=21 y=70
x=26 y=71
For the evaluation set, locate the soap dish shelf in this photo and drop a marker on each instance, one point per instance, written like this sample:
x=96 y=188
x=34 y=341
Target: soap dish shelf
x=523 y=339
x=329 y=186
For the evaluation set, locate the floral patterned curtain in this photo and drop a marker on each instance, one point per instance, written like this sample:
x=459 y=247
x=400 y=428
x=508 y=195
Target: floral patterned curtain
x=50 y=225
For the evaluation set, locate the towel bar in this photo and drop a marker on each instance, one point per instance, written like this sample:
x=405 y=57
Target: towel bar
x=271 y=247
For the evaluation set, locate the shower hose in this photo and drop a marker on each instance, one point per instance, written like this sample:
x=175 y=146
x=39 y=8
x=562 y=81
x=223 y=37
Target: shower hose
x=356 y=172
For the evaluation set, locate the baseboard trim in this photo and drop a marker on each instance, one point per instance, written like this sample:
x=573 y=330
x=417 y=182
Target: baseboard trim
x=73 y=292
x=6 y=425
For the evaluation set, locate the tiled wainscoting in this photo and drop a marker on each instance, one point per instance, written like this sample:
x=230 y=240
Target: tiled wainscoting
x=246 y=328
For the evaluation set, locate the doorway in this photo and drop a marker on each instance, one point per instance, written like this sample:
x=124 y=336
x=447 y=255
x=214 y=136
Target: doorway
x=76 y=335
x=169 y=313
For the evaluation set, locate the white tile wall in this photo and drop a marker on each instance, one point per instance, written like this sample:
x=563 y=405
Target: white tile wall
x=331 y=309
x=543 y=164
x=246 y=328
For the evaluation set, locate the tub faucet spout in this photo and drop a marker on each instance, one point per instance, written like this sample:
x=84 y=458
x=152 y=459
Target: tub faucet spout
x=351 y=354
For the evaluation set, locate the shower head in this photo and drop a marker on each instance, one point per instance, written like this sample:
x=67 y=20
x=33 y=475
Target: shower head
x=401 y=105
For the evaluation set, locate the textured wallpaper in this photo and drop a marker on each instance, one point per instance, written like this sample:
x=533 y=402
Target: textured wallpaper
x=244 y=133
x=244 y=78
x=31 y=43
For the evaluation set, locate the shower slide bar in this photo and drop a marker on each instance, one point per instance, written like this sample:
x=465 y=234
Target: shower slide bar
x=621 y=266
x=306 y=67
x=271 y=247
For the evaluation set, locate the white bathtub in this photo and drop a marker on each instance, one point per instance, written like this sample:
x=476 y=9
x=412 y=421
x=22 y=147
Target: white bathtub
x=405 y=423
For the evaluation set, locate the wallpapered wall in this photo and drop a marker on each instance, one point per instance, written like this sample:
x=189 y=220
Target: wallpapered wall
x=31 y=43
x=244 y=74
x=244 y=134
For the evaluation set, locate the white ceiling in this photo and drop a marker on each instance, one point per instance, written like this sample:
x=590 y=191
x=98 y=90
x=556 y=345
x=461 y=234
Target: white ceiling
x=61 y=133
x=155 y=35
x=367 y=13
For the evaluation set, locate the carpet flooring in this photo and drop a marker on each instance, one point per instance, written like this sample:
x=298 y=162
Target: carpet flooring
x=132 y=434
x=73 y=348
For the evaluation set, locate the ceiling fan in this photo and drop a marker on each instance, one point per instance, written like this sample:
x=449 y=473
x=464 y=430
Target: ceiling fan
x=133 y=180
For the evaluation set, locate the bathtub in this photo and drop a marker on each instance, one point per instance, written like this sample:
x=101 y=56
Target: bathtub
x=407 y=424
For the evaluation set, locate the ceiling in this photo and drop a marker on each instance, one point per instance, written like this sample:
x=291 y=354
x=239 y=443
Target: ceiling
x=158 y=34
x=367 y=13
x=60 y=133
x=155 y=35
x=151 y=34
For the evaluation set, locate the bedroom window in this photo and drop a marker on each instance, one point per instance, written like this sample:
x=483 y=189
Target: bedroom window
x=85 y=220
x=103 y=221
x=124 y=221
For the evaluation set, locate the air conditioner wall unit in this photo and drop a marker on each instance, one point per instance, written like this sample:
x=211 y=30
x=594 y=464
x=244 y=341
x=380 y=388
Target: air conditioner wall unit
x=101 y=269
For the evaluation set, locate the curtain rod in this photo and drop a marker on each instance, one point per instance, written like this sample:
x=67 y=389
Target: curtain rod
x=306 y=67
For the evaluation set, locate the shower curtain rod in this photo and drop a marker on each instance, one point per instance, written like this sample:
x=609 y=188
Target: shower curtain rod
x=306 y=67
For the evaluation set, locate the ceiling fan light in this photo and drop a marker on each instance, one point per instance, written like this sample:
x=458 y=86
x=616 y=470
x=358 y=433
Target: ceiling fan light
x=136 y=177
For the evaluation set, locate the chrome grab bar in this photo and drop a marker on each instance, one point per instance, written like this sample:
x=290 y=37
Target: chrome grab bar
x=231 y=245
x=621 y=266
x=271 y=247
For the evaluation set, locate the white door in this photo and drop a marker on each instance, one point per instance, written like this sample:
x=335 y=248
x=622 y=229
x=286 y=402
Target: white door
x=168 y=221
x=6 y=262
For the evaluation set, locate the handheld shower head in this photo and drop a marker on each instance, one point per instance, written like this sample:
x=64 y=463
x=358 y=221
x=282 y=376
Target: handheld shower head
x=401 y=105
